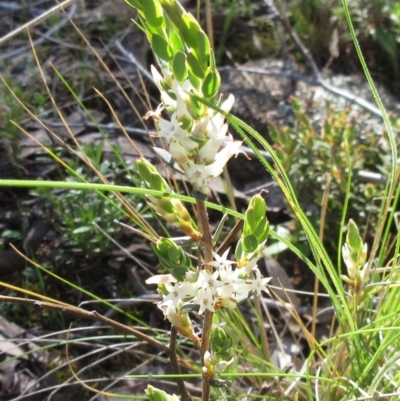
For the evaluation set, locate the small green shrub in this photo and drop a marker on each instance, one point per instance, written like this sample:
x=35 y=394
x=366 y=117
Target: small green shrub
x=310 y=155
x=76 y=211
x=376 y=24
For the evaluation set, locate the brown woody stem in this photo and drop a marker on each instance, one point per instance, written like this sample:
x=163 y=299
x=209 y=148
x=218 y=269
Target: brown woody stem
x=207 y=324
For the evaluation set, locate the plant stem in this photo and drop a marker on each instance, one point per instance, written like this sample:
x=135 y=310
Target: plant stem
x=185 y=396
x=207 y=324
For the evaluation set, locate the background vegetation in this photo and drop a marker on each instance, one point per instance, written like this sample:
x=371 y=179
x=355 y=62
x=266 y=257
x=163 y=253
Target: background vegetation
x=79 y=263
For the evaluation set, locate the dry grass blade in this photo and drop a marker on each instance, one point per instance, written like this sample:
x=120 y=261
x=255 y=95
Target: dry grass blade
x=37 y=20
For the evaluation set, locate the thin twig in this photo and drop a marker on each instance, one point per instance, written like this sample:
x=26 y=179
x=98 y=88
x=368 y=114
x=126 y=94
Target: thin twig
x=318 y=79
x=37 y=20
x=185 y=396
x=365 y=104
x=230 y=237
x=84 y=314
x=276 y=15
x=106 y=127
x=45 y=36
x=131 y=57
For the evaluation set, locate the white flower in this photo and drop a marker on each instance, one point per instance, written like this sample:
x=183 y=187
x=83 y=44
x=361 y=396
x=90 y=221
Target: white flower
x=198 y=174
x=183 y=100
x=168 y=309
x=218 y=137
x=217 y=118
x=242 y=288
x=230 y=149
x=250 y=265
x=226 y=291
x=209 y=281
x=219 y=365
x=179 y=291
x=221 y=261
x=180 y=154
x=203 y=150
x=190 y=276
x=259 y=283
x=226 y=273
x=161 y=279
x=205 y=299
x=351 y=267
x=157 y=77
x=228 y=103
x=208 y=361
x=222 y=365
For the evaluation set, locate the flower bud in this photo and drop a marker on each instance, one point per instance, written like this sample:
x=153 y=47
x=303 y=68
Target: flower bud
x=156 y=394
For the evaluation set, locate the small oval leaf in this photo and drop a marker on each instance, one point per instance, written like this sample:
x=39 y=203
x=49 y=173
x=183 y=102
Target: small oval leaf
x=195 y=66
x=211 y=85
x=190 y=29
x=161 y=47
x=179 y=66
x=250 y=243
x=153 y=13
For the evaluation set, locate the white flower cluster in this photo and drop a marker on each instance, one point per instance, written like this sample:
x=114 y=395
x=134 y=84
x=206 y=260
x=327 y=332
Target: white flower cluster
x=201 y=146
x=222 y=288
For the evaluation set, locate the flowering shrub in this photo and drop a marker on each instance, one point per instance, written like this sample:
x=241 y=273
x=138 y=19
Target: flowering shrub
x=191 y=120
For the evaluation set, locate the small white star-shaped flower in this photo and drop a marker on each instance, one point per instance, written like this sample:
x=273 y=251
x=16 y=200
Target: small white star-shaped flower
x=179 y=291
x=209 y=281
x=205 y=299
x=259 y=283
x=221 y=261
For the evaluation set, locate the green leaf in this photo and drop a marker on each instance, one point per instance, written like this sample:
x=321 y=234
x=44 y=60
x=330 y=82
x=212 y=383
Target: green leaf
x=167 y=206
x=161 y=47
x=203 y=49
x=220 y=383
x=165 y=262
x=143 y=170
x=83 y=229
x=174 y=11
x=212 y=63
x=250 y=222
x=250 y=243
x=156 y=394
x=195 y=66
x=263 y=237
x=153 y=13
x=175 y=41
x=190 y=29
x=174 y=254
x=179 y=272
x=211 y=85
x=196 y=82
x=239 y=255
x=262 y=227
x=353 y=237
x=179 y=66
x=156 y=182
x=196 y=108
x=186 y=261
x=138 y=4
x=258 y=204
